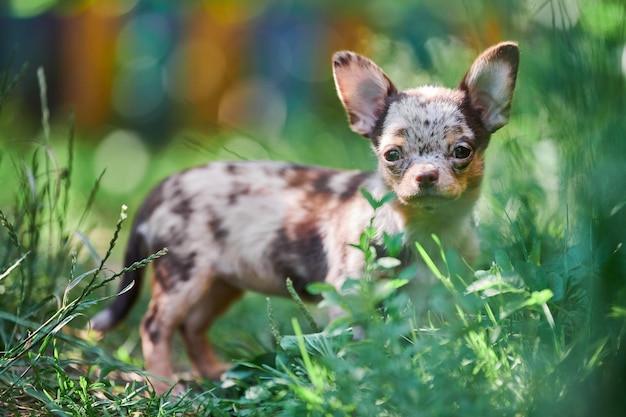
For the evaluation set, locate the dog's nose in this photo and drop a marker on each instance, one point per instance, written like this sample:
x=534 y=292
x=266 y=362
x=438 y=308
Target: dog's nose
x=427 y=179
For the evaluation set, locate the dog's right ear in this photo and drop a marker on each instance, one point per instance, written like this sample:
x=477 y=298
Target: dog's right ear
x=363 y=89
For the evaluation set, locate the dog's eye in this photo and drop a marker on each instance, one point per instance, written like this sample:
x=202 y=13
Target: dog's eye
x=392 y=155
x=461 y=152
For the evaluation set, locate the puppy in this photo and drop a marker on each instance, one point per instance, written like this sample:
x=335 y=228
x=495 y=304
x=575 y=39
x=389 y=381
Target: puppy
x=231 y=227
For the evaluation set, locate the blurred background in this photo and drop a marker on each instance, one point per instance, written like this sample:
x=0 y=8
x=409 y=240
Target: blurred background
x=195 y=80
x=154 y=66
x=149 y=87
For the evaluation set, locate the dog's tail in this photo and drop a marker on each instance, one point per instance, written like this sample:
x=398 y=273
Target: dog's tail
x=121 y=305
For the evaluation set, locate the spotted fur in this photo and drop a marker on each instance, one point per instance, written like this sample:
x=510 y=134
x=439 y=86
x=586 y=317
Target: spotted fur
x=231 y=227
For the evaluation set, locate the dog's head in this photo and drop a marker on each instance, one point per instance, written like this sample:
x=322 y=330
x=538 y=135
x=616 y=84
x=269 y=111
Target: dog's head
x=429 y=140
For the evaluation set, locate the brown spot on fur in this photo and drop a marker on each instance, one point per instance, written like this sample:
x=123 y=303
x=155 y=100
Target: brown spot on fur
x=353 y=185
x=183 y=208
x=233 y=169
x=303 y=258
x=162 y=273
x=186 y=264
x=173 y=267
x=153 y=331
x=217 y=228
x=301 y=177
x=289 y=172
x=297 y=179
x=177 y=237
x=354 y=118
x=177 y=193
x=321 y=184
x=238 y=190
x=402 y=132
x=342 y=59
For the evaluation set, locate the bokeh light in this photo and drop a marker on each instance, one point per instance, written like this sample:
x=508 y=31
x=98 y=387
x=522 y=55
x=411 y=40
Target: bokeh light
x=190 y=79
x=29 y=8
x=145 y=35
x=256 y=106
x=112 y=8
x=143 y=44
x=310 y=38
x=125 y=158
x=138 y=90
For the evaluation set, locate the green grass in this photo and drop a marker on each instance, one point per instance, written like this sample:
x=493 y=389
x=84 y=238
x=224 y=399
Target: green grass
x=536 y=330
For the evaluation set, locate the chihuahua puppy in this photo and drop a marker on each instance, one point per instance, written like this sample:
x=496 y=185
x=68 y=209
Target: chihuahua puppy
x=231 y=227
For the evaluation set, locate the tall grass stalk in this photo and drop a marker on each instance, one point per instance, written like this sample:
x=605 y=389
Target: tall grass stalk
x=45 y=365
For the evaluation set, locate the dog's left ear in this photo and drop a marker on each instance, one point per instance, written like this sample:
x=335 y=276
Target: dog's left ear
x=490 y=82
x=363 y=89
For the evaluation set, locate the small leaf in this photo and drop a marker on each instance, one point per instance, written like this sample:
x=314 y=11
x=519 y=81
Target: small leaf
x=393 y=243
x=351 y=284
x=387 y=198
x=63 y=323
x=398 y=283
x=540 y=297
x=370 y=199
x=316 y=343
x=317 y=288
x=331 y=299
x=486 y=281
x=617 y=312
x=364 y=242
x=388 y=262
x=374 y=203
x=75 y=282
x=536 y=298
x=503 y=260
x=370 y=255
x=83 y=383
x=384 y=289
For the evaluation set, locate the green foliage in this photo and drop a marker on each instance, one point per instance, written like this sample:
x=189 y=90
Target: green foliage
x=489 y=351
x=44 y=289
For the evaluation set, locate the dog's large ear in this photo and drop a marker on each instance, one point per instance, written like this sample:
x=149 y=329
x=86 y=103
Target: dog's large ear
x=490 y=82
x=363 y=89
